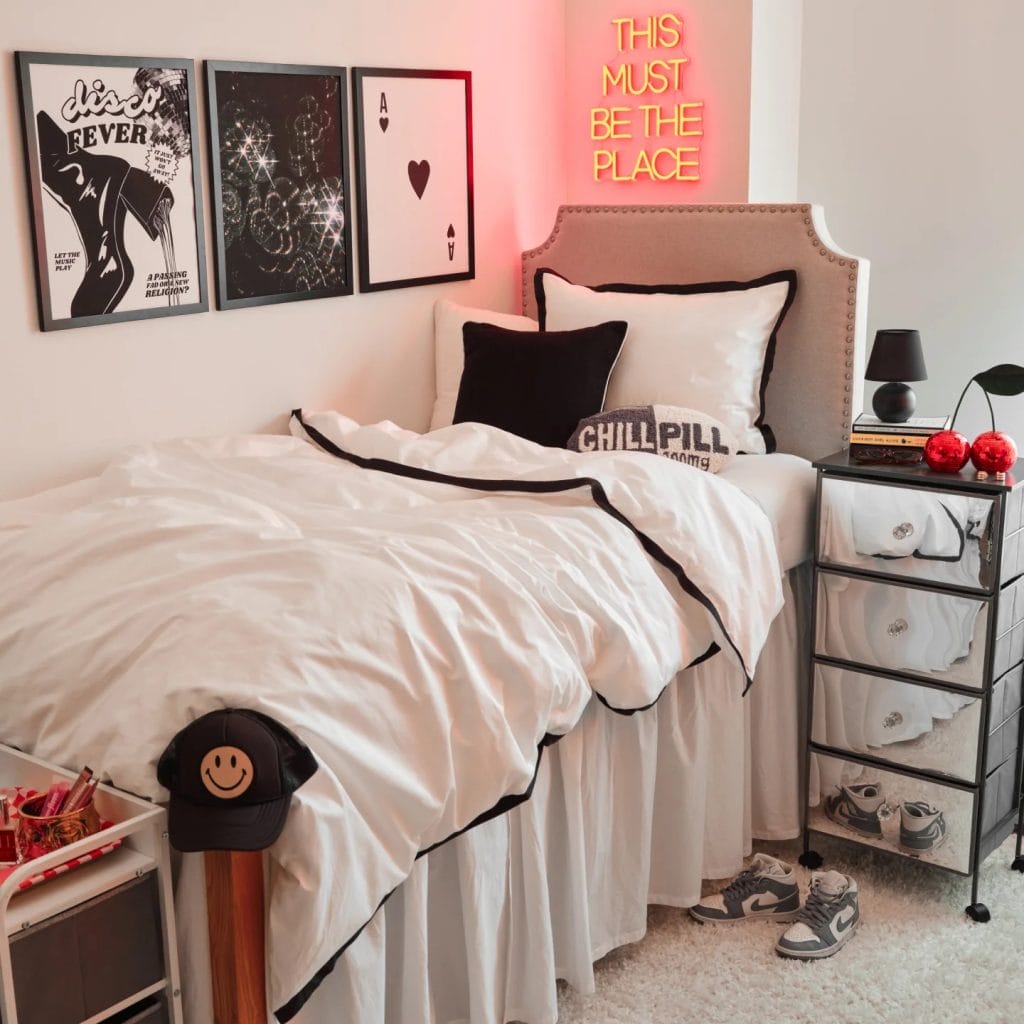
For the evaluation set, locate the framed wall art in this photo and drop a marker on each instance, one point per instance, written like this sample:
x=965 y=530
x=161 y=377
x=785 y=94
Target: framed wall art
x=110 y=148
x=279 y=166
x=414 y=168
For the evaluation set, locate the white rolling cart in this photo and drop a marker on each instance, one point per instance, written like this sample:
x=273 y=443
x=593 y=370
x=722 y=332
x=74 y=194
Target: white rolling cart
x=96 y=945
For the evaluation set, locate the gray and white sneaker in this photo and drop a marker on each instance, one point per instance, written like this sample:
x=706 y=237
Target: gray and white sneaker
x=922 y=827
x=827 y=920
x=767 y=887
x=856 y=808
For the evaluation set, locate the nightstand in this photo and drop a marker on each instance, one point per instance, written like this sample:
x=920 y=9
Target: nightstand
x=96 y=945
x=916 y=663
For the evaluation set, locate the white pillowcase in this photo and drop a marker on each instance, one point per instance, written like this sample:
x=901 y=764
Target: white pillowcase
x=704 y=349
x=449 y=354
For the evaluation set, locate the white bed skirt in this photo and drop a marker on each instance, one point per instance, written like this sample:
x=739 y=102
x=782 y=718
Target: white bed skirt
x=626 y=811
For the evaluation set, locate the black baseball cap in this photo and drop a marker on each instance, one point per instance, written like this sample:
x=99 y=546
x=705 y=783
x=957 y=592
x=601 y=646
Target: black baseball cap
x=231 y=774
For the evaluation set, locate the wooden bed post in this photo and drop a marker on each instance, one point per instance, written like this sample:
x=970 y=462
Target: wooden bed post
x=234 y=906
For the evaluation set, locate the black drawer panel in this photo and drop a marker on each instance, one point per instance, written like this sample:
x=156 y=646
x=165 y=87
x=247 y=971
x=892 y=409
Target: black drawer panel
x=116 y=939
x=1014 y=517
x=1007 y=694
x=1011 y=606
x=1000 y=795
x=1009 y=650
x=34 y=956
x=1003 y=742
x=1012 y=564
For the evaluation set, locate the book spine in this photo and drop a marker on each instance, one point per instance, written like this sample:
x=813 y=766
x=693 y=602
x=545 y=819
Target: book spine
x=885 y=453
x=890 y=440
x=901 y=431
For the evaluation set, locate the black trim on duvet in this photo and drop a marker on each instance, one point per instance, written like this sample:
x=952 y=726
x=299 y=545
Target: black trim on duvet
x=509 y=801
x=597 y=492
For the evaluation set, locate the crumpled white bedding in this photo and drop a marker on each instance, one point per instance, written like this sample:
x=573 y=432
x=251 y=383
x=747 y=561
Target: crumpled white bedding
x=423 y=639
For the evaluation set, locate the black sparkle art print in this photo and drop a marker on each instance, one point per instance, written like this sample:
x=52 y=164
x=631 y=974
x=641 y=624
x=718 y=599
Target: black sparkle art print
x=279 y=159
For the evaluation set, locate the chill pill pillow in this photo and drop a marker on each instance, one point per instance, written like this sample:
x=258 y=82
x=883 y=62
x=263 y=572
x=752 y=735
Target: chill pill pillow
x=683 y=435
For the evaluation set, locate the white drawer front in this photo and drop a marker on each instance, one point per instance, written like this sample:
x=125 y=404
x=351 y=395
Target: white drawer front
x=927 y=535
x=910 y=725
x=887 y=626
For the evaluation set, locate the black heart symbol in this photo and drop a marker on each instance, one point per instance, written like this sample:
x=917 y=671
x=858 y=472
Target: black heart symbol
x=418 y=175
x=383 y=124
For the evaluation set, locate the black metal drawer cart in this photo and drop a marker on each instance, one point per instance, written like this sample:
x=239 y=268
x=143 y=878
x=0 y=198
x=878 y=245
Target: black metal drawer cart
x=917 y=664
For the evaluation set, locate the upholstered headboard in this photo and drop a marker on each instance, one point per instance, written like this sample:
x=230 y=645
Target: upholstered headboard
x=816 y=384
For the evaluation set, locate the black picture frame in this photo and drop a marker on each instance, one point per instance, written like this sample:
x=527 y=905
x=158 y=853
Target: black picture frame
x=401 y=245
x=279 y=167
x=105 y=137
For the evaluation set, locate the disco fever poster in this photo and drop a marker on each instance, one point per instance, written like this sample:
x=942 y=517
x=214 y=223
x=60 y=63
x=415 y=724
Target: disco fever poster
x=113 y=169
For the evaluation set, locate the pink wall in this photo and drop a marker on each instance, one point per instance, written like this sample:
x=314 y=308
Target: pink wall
x=714 y=39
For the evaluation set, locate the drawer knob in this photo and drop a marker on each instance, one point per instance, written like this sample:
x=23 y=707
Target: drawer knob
x=886 y=811
x=891 y=720
x=898 y=628
x=903 y=531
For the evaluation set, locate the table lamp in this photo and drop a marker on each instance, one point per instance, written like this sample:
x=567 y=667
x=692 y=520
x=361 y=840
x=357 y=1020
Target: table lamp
x=896 y=357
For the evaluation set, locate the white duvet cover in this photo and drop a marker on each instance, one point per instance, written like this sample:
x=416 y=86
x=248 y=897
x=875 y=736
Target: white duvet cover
x=422 y=638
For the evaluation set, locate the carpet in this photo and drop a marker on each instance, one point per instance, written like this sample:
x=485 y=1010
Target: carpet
x=916 y=958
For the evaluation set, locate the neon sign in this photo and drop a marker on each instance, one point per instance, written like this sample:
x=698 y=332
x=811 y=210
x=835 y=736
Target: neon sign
x=669 y=127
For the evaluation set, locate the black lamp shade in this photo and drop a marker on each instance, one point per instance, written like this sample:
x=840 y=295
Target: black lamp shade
x=896 y=356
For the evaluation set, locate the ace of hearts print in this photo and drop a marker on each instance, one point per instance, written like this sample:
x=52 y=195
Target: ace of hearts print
x=415 y=175
x=114 y=180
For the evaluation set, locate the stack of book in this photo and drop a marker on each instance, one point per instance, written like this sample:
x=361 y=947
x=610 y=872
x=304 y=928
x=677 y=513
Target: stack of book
x=873 y=440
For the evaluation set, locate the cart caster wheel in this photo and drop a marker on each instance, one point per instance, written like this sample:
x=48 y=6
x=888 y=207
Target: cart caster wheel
x=1018 y=864
x=978 y=912
x=811 y=859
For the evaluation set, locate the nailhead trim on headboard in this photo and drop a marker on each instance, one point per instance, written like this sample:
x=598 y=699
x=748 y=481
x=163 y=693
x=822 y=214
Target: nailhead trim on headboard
x=838 y=381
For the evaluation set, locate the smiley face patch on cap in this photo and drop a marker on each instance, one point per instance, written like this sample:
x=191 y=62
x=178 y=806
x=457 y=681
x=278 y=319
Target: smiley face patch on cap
x=231 y=774
x=226 y=772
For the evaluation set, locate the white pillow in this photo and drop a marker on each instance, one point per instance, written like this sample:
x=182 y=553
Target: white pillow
x=449 y=355
x=703 y=346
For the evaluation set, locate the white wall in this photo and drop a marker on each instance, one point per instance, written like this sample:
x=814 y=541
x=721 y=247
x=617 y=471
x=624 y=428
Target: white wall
x=776 y=40
x=69 y=398
x=910 y=136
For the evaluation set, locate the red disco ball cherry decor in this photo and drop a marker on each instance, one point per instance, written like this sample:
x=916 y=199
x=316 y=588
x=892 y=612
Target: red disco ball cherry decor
x=947 y=451
x=991 y=452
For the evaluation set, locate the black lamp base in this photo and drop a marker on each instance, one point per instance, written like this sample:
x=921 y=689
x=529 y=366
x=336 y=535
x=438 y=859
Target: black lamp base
x=894 y=403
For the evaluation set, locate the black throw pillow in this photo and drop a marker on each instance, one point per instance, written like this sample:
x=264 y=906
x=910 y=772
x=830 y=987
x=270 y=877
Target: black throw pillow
x=537 y=384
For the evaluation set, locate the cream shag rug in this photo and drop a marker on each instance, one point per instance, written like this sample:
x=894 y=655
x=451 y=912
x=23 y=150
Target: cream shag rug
x=916 y=957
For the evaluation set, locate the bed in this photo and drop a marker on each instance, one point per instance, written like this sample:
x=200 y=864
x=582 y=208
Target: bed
x=625 y=808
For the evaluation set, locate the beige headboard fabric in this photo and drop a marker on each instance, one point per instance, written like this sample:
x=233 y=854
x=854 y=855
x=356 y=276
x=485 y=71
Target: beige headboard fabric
x=816 y=385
